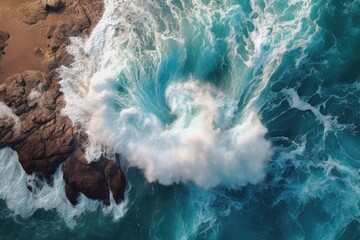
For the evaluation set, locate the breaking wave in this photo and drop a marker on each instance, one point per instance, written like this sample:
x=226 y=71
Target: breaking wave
x=237 y=118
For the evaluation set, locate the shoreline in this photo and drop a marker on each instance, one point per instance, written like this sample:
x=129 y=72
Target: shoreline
x=45 y=139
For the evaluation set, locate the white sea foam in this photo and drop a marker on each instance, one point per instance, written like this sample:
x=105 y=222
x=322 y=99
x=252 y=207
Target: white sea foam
x=14 y=191
x=191 y=148
x=36 y=92
x=7 y=113
x=329 y=122
x=211 y=140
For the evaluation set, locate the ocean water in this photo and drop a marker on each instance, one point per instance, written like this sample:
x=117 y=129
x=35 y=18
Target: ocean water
x=235 y=120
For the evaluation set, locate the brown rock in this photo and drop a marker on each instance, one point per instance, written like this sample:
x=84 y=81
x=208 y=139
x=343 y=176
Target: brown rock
x=53 y=5
x=75 y=22
x=116 y=179
x=71 y=194
x=94 y=180
x=45 y=138
x=93 y=10
x=32 y=12
x=4 y=36
x=45 y=148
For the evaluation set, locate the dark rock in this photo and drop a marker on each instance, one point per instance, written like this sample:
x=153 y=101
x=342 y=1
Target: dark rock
x=116 y=180
x=71 y=194
x=52 y=5
x=39 y=52
x=50 y=31
x=4 y=36
x=95 y=180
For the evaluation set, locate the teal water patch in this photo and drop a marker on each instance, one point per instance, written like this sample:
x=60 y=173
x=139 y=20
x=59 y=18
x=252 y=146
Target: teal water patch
x=238 y=119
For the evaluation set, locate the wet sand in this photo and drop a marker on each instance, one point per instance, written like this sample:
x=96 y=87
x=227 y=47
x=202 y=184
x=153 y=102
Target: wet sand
x=20 y=52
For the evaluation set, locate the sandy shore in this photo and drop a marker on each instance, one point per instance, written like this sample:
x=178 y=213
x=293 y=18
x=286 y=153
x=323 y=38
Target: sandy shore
x=25 y=48
x=27 y=43
x=24 y=40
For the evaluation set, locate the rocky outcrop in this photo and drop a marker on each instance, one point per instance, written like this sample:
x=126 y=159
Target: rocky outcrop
x=4 y=36
x=58 y=36
x=42 y=136
x=95 y=180
x=32 y=12
x=53 y=5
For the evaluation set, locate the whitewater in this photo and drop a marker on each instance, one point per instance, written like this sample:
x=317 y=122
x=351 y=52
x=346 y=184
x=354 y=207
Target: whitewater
x=235 y=120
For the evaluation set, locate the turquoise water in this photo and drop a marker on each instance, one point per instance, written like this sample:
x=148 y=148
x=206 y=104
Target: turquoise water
x=236 y=120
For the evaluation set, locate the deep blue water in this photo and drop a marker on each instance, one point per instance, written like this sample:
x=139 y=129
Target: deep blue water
x=237 y=119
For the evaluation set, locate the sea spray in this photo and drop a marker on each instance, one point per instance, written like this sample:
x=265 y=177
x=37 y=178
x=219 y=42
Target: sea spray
x=284 y=73
x=7 y=113
x=18 y=197
x=146 y=92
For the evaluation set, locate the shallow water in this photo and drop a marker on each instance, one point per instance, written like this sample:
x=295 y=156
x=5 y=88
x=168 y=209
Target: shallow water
x=237 y=119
